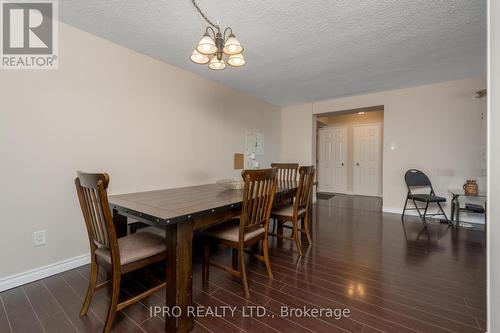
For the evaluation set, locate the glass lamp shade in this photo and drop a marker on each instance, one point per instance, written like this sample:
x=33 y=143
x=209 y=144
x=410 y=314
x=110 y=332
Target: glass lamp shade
x=232 y=46
x=199 y=58
x=216 y=64
x=236 y=60
x=206 y=45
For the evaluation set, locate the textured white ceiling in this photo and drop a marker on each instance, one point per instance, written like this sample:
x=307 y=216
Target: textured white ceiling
x=299 y=51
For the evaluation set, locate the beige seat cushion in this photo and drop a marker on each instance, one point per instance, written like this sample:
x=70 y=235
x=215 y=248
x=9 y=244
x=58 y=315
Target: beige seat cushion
x=153 y=230
x=135 y=247
x=230 y=231
x=286 y=211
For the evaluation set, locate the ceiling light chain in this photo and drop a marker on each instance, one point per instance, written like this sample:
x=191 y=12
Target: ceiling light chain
x=215 y=47
x=203 y=15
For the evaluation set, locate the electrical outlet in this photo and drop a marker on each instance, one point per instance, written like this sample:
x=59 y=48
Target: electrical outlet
x=39 y=238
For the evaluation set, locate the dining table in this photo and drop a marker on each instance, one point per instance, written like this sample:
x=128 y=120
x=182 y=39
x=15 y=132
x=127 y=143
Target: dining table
x=180 y=212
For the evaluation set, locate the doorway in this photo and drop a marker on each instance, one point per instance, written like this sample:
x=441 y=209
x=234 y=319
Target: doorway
x=349 y=151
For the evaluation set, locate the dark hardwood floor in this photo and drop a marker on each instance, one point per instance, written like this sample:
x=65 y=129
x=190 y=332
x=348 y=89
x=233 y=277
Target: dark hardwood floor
x=393 y=278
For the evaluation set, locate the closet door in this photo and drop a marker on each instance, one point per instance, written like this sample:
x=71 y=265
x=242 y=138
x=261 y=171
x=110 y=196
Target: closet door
x=367 y=160
x=332 y=156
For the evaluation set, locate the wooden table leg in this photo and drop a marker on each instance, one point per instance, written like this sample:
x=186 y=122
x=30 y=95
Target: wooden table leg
x=179 y=275
x=279 y=231
x=234 y=258
x=120 y=223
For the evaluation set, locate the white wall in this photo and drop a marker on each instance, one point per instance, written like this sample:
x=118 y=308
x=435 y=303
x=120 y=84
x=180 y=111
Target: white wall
x=493 y=229
x=107 y=108
x=437 y=128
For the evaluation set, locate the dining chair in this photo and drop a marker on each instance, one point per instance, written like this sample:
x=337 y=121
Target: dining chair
x=119 y=255
x=258 y=196
x=287 y=173
x=298 y=210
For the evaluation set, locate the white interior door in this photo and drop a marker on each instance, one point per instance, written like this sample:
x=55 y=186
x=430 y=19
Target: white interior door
x=367 y=160
x=332 y=156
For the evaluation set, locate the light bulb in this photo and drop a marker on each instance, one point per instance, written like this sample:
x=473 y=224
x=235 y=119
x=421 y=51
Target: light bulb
x=206 y=45
x=199 y=58
x=216 y=64
x=236 y=60
x=232 y=46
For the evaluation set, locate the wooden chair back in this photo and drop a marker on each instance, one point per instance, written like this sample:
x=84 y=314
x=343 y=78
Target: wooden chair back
x=258 y=196
x=286 y=171
x=92 y=194
x=304 y=189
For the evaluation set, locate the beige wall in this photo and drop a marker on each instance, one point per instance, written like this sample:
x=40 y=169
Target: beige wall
x=349 y=121
x=436 y=128
x=493 y=230
x=107 y=108
x=298 y=134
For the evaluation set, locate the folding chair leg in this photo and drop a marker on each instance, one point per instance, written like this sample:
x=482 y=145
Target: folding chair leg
x=419 y=214
x=404 y=209
x=444 y=214
x=426 y=207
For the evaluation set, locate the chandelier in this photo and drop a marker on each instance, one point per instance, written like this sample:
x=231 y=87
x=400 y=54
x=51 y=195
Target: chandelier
x=216 y=48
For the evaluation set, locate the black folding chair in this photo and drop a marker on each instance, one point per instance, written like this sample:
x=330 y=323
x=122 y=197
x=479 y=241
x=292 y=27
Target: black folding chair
x=417 y=179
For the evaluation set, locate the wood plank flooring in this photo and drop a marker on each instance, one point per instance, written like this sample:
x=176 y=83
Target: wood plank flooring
x=393 y=277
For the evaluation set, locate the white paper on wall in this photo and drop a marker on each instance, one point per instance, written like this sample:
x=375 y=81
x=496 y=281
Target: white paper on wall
x=254 y=145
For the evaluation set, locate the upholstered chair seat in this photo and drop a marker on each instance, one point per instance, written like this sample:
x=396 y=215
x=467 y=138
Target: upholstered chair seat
x=153 y=230
x=230 y=232
x=286 y=211
x=135 y=247
x=428 y=198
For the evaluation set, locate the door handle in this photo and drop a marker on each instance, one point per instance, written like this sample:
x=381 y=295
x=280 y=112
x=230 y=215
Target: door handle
x=342 y=163
x=357 y=164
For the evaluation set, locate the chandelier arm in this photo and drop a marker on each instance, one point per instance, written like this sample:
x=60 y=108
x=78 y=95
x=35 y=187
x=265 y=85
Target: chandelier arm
x=209 y=28
x=230 y=32
x=203 y=15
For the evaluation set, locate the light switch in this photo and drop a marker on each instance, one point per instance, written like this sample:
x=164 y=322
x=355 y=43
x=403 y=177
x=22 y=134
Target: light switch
x=39 y=238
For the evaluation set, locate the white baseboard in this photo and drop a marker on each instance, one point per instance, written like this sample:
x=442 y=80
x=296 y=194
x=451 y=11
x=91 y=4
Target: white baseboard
x=393 y=210
x=464 y=216
x=16 y=280
x=352 y=193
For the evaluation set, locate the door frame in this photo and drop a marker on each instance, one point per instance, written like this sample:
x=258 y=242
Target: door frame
x=346 y=141
x=380 y=161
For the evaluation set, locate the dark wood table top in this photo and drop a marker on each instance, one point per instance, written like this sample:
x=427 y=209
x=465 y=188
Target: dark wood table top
x=185 y=203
